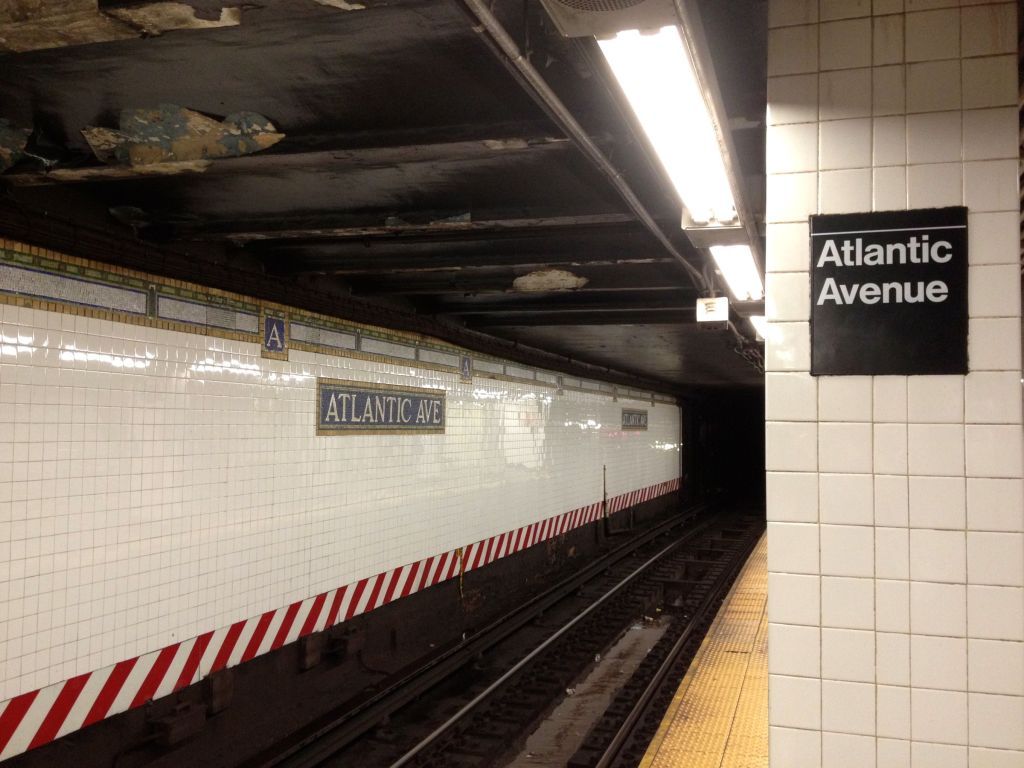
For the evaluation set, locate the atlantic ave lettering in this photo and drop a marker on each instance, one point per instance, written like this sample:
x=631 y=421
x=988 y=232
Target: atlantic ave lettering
x=854 y=253
x=347 y=407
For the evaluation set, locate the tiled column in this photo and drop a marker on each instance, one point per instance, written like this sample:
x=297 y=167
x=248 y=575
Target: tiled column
x=896 y=553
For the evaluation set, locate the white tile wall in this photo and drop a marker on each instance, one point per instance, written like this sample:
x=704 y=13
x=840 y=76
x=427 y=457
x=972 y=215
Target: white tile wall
x=155 y=485
x=896 y=563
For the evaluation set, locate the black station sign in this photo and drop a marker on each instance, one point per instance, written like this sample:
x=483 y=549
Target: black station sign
x=889 y=292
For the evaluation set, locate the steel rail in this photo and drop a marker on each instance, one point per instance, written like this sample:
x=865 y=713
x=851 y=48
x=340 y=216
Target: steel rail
x=467 y=708
x=723 y=584
x=332 y=736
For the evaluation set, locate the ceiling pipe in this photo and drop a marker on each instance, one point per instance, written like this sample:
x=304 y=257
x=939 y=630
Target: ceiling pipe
x=548 y=99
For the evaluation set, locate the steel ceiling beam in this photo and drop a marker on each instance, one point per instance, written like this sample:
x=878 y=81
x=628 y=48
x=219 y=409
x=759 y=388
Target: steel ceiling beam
x=374 y=227
x=524 y=72
x=673 y=317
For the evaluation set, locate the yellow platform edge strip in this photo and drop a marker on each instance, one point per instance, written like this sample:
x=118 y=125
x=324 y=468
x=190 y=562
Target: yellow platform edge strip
x=719 y=714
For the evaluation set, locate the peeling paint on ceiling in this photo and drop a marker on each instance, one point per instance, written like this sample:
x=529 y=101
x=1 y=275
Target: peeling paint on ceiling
x=172 y=134
x=342 y=5
x=32 y=25
x=12 y=143
x=544 y=280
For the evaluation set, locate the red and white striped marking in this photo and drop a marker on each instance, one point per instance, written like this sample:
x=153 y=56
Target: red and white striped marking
x=38 y=717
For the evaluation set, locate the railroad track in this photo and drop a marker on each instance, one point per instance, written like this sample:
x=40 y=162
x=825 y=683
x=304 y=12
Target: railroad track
x=474 y=704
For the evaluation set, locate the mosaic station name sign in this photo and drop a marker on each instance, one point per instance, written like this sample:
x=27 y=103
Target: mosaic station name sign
x=634 y=419
x=346 y=407
x=889 y=292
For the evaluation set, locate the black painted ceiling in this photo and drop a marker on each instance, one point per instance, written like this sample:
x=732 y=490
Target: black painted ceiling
x=417 y=171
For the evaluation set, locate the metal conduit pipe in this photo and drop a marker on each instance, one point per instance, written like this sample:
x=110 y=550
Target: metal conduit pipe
x=548 y=99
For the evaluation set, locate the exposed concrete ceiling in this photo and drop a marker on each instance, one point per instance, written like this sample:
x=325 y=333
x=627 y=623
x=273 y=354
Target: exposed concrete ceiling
x=416 y=169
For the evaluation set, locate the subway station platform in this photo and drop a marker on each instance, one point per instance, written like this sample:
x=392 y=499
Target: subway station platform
x=719 y=716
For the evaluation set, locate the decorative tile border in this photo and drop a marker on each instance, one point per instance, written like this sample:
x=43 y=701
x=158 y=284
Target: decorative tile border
x=42 y=279
x=38 y=717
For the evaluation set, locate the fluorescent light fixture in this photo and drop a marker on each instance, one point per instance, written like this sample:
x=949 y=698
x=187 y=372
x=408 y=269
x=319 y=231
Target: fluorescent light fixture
x=760 y=325
x=656 y=73
x=736 y=263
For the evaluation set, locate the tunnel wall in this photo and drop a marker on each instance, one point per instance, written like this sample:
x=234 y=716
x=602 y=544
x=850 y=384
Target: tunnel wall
x=167 y=508
x=895 y=554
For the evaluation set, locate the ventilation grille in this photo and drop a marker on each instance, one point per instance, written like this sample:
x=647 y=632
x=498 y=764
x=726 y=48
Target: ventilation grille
x=599 y=6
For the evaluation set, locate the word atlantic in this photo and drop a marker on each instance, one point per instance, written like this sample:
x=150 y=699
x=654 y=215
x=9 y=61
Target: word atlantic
x=853 y=253
x=347 y=407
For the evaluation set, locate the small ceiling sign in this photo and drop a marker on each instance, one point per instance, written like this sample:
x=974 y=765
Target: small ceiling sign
x=889 y=293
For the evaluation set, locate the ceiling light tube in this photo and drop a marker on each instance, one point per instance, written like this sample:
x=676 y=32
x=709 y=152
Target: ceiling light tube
x=736 y=263
x=760 y=325
x=656 y=72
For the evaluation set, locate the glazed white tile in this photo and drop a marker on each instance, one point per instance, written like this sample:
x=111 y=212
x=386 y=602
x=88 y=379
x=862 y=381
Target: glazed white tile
x=993 y=344
x=848 y=654
x=892 y=547
x=786 y=13
x=995 y=504
x=934 y=86
x=794 y=701
x=933 y=35
x=846 y=499
x=847 y=603
x=794 y=599
x=848 y=707
x=845 y=93
x=938 y=662
x=890 y=398
x=893 y=753
x=934 y=137
x=990 y=185
x=937 y=502
x=990 y=133
x=787 y=247
x=840 y=750
x=887 y=40
x=996 y=721
x=893 y=712
x=939 y=556
x=147 y=456
x=793 y=99
x=790 y=397
x=887 y=90
x=935 y=185
x=793 y=548
x=792 y=497
x=794 y=650
x=794 y=747
x=995 y=558
x=845 y=143
x=995 y=613
x=990 y=81
x=938 y=716
x=938 y=609
x=844 y=9
x=893 y=658
x=995 y=666
x=793 y=50
x=847 y=550
x=936 y=755
x=986 y=30
x=993 y=238
x=844 y=398
x=890 y=188
x=845 y=44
